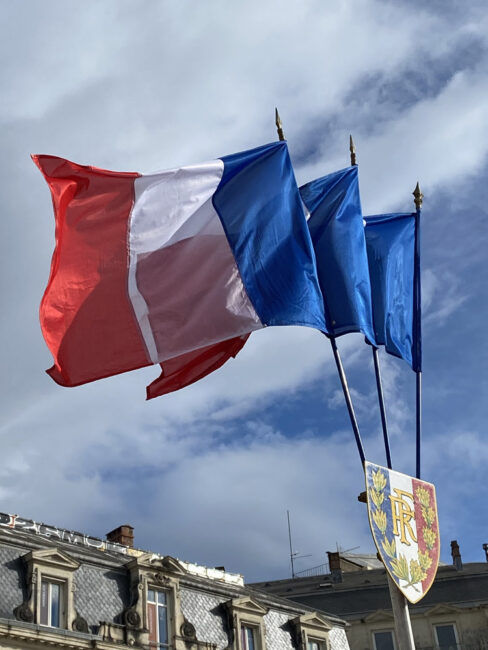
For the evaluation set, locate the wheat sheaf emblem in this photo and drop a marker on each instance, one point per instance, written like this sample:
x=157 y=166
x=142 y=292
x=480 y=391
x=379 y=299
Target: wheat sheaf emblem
x=414 y=571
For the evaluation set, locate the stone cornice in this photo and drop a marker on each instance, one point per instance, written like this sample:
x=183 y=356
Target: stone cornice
x=18 y=634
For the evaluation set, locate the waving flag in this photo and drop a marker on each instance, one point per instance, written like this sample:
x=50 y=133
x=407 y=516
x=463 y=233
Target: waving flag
x=148 y=268
x=337 y=232
x=395 y=284
x=188 y=368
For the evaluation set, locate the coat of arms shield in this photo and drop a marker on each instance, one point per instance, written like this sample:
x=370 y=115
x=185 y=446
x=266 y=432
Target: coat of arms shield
x=403 y=518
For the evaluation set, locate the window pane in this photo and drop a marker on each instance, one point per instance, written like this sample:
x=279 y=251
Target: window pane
x=44 y=607
x=150 y=595
x=247 y=638
x=313 y=645
x=161 y=597
x=384 y=640
x=55 y=604
x=163 y=624
x=446 y=637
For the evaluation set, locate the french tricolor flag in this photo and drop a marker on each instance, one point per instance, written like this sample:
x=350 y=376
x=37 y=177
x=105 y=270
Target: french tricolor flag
x=335 y=223
x=162 y=267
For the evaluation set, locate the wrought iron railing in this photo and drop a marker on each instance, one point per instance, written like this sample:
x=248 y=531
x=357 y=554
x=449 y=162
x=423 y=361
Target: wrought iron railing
x=318 y=570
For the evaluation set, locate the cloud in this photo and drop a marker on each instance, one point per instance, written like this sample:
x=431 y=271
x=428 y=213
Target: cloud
x=440 y=299
x=127 y=88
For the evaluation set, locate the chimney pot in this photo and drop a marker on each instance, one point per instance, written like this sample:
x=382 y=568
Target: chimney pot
x=456 y=555
x=335 y=566
x=122 y=535
x=334 y=560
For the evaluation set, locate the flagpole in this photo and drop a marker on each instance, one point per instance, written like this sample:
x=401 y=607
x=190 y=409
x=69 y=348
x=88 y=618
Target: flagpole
x=399 y=605
x=279 y=126
x=418 y=196
x=379 y=390
x=400 y=610
x=401 y=617
x=347 y=397
x=337 y=356
x=418 y=400
x=376 y=359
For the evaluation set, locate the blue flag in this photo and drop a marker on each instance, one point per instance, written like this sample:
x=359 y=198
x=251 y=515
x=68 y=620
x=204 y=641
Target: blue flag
x=337 y=231
x=394 y=267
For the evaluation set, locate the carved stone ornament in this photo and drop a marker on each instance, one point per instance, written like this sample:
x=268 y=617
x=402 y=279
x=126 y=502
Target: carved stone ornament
x=24 y=613
x=80 y=625
x=132 y=618
x=161 y=579
x=188 y=631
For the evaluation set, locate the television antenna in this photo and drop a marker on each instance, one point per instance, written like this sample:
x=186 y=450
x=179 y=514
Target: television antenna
x=293 y=554
x=347 y=550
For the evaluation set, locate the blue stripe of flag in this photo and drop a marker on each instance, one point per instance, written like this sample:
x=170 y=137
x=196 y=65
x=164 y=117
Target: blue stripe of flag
x=260 y=208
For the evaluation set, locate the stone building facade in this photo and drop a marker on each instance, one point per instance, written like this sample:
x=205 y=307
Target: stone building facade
x=68 y=590
x=452 y=616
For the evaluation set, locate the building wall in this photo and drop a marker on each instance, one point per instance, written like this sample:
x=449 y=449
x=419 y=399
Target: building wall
x=277 y=636
x=338 y=639
x=106 y=602
x=471 y=626
x=205 y=612
x=12 y=586
x=459 y=596
x=100 y=594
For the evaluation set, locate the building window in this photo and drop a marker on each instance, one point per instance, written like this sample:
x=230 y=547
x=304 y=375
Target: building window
x=158 y=619
x=50 y=589
x=246 y=625
x=446 y=636
x=311 y=631
x=52 y=600
x=248 y=638
x=315 y=645
x=384 y=640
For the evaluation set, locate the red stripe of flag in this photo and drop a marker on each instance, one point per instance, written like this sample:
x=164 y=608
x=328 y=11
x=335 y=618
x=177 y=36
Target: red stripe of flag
x=86 y=316
x=188 y=368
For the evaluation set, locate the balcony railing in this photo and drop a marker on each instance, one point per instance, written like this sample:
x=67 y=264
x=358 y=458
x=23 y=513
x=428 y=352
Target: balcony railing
x=319 y=570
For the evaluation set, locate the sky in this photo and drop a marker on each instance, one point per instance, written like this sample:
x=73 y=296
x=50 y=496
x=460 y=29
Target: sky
x=208 y=473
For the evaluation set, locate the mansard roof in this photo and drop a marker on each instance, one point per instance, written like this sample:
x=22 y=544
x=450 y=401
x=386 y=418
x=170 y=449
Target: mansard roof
x=101 y=576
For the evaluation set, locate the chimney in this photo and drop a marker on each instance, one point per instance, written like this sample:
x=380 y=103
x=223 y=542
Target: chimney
x=485 y=548
x=456 y=555
x=122 y=535
x=335 y=566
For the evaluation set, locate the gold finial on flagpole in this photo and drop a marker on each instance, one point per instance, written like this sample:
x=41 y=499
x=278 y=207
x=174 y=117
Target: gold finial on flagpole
x=352 y=149
x=279 y=125
x=418 y=196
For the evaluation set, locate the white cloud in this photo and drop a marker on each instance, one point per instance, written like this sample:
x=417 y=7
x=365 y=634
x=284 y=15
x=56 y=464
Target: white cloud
x=440 y=299
x=174 y=84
